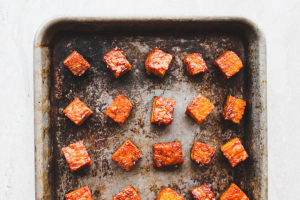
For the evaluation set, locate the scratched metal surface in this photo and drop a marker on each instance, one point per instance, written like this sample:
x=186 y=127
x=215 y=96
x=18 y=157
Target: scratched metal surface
x=98 y=87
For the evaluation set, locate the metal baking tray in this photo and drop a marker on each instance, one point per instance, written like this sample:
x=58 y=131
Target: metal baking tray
x=56 y=87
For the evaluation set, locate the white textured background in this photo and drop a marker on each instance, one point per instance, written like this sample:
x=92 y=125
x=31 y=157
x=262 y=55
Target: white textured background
x=19 y=20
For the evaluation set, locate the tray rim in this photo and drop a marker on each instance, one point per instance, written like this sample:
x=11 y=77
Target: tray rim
x=40 y=91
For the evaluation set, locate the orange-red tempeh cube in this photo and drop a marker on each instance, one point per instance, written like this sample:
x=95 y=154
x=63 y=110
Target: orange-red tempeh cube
x=76 y=155
x=162 y=111
x=76 y=63
x=234 y=151
x=77 y=111
x=119 y=109
x=202 y=153
x=234 y=193
x=168 y=194
x=157 y=62
x=129 y=193
x=229 y=63
x=116 y=62
x=167 y=154
x=199 y=109
x=203 y=192
x=234 y=109
x=127 y=155
x=195 y=63
x=82 y=193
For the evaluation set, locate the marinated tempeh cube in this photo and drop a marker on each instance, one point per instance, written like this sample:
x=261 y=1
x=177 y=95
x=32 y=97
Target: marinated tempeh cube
x=76 y=63
x=202 y=153
x=168 y=194
x=119 y=109
x=128 y=193
x=195 y=63
x=203 y=192
x=234 y=151
x=116 y=62
x=77 y=112
x=167 y=154
x=127 y=155
x=76 y=155
x=199 y=109
x=157 y=62
x=234 y=109
x=82 y=193
x=234 y=193
x=162 y=111
x=229 y=63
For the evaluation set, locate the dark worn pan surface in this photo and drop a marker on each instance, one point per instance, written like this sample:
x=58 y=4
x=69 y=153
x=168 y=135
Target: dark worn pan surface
x=98 y=87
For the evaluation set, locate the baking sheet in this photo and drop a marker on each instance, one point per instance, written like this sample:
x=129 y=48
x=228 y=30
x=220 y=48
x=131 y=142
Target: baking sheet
x=56 y=87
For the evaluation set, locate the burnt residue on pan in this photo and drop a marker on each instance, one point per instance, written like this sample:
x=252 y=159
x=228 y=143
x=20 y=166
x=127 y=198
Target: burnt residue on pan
x=102 y=136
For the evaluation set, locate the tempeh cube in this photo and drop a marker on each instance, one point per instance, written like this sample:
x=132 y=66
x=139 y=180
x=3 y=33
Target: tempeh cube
x=76 y=63
x=203 y=192
x=82 y=193
x=234 y=193
x=202 y=153
x=116 y=62
x=234 y=109
x=168 y=194
x=199 y=109
x=157 y=62
x=119 y=109
x=77 y=112
x=162 y=111
x=127 y=155
x=167 y=154
x=129 y=193
x=195 y=63
x=229 y=63
x=77 y=156
x=234 y=151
